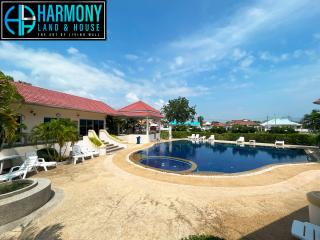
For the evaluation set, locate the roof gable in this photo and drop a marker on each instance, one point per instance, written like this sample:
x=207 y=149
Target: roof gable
x=140 y=109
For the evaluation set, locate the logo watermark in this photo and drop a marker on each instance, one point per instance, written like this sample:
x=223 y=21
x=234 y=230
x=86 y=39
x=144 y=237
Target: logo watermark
x=50 y=20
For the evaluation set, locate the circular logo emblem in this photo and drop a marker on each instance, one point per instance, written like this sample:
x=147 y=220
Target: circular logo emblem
x=20 y=21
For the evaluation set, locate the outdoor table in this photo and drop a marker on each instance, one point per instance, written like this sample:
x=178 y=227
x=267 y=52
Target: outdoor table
x=2 y=159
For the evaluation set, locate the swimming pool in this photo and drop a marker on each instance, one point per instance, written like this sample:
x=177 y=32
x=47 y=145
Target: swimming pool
x=218 y=157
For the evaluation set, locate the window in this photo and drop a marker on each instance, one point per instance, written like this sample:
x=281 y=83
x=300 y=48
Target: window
x=48 y=119
x=88 y=124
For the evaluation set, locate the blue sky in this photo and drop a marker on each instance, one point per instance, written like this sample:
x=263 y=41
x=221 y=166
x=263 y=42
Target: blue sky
x=232 y=59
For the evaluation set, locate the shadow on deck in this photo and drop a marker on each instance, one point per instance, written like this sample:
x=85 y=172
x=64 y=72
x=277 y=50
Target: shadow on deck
x=280 y=229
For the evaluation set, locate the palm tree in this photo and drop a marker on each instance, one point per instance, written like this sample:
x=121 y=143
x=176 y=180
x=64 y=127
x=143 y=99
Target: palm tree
x=60 y=131
x=9 y=102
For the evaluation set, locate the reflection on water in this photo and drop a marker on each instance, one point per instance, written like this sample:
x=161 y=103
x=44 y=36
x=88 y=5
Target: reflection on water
x=227 y=158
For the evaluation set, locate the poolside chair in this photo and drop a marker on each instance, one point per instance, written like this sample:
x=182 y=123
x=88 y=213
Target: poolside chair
x=28 y=165
x=192 y=136
x=211 y=138
x=197 y=137
x=279 y=143
x=203 y=138
x=305 y=230
x=41 y=162
x=77 y=154
x=88 y=151
x=240 y=140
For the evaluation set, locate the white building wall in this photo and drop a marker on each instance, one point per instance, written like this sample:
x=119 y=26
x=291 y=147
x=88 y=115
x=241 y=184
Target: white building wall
x=33 y=115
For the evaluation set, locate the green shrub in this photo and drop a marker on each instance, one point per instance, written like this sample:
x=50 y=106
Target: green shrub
x=164 y=135
x=180 y=134
x=95 y=141
x=218 y=130
x=293 y=138
x=201 y=237
x=49 y=154
x=284 y=130
x=181 y=128
x=242 y=129
x=318 y=139
x=14 y=185
x=194 y=129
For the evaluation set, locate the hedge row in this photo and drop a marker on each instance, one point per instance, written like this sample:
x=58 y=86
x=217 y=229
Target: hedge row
x=164 y=135
x=294 y=138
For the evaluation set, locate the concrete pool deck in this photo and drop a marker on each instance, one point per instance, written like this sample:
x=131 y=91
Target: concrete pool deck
x=109 y=198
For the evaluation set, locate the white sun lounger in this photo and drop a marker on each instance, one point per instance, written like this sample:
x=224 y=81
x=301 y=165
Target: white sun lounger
x=305 y=230
x=279 y=143
x=193 y=136
x=211 y=138
x=41 y=162
x=240 y=140
x=77 y=154
x=88 y=152
x=28 y=165
x=203 y=138
x=197 y=137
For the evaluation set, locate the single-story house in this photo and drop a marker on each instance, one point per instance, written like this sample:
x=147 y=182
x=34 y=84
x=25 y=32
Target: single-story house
x=280 y=122
x=41 y=105
x=242 y=122
x=218 y=124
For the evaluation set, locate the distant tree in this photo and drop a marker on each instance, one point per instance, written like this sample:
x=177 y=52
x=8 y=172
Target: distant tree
x=283 y=129
x=312 y=121
x=200 y=120
x=179 y=110
x=9 y=102
x=218 y=130
x=242 y=129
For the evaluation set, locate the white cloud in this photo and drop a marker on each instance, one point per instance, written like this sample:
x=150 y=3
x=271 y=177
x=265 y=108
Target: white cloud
x=159 y=103
x=72 y=50
x=65 y=73
x=132 y=97
x=214 y=43
x=316 y=36
x=118 y=72
x=18 y=75
x=178 y=61
x=247 y=62
x=238 y=54
x=150 y=59
x=131 y=57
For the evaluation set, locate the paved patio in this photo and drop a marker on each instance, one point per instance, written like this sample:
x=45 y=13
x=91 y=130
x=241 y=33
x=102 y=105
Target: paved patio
x=109 y=198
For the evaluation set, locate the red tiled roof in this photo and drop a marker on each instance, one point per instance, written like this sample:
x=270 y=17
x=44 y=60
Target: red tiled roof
x=140 y=109
x=218 y=124
x=243 y=122
x=45 y=97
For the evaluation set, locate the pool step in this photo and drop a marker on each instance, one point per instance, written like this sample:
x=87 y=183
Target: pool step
x=314 y=154
x=114 y=149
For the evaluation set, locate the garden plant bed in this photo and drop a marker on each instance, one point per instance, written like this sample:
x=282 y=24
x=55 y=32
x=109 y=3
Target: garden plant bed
x=23 y=201
x=9 y=187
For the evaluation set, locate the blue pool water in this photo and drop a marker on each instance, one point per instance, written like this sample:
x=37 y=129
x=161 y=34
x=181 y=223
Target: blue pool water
x=223 y=158
x=166 y=163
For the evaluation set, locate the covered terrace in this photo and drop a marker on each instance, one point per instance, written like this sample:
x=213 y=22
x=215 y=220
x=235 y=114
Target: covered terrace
x=136 y=120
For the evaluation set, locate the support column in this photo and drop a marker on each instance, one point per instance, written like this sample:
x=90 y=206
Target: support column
x=170 y=132
x=147 y=130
